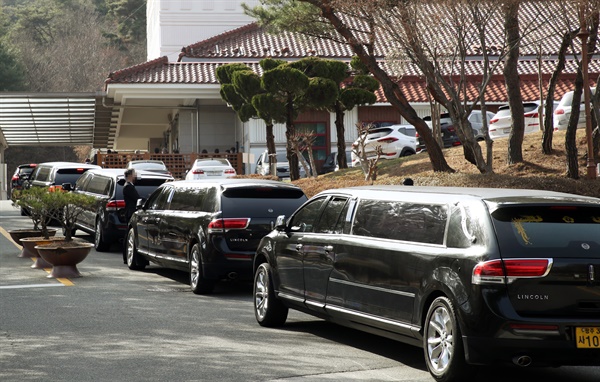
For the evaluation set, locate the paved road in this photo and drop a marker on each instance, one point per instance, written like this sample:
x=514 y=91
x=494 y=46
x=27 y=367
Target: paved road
x=113 y=324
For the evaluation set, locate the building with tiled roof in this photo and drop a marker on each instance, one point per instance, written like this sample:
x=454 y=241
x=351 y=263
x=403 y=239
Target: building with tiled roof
x=179 y=106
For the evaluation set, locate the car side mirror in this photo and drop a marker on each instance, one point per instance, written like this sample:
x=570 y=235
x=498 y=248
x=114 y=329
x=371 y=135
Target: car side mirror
x=139 y=204
x=280 y=223
x=67 y=187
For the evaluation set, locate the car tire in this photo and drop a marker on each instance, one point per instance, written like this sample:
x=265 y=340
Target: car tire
x=134 y=260
x=100 y=242
x=198 y=283
x=269 y=310
x=442 y=343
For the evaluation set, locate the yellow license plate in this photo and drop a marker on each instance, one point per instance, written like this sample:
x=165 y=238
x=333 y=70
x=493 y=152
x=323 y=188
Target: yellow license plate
x=588 y=337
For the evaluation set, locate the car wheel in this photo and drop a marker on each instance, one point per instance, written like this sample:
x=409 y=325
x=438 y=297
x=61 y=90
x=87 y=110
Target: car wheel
x=269 y=311
x=100 y=242
x=134 y=259
x=198 y=283
x=442 y=343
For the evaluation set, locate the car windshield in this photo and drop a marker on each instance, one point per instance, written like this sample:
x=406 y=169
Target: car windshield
x=68 y=175
x=144 y=187
x=212 y=162
x=282 y=157
x=149 y=166
x=548 y=230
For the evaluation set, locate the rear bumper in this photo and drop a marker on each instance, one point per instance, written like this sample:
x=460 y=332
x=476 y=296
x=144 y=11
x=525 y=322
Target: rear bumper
x=543 y=352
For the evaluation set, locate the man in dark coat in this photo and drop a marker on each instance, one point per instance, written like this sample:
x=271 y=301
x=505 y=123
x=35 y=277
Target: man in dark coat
x=131 y=197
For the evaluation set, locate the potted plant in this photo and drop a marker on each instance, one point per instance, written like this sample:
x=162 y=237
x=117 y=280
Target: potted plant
x=30 y=201
x=65 y=254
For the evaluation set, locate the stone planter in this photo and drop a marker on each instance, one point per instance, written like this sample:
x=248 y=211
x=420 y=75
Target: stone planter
x=64 y=257
x=29 y=243
x=18 y=234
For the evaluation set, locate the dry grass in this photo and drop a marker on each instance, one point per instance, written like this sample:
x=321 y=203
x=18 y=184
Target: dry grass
x=538 y=171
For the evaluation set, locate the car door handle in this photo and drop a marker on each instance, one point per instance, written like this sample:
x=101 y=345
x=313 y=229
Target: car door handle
x=328 y=248
x=298 y=247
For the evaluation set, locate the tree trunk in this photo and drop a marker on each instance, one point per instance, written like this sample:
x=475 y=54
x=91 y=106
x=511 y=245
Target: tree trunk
x=571 y=135
x=549 y=102
x=271 y=149
x=341 y=139
x=290 y=133
x=513 y=83
x=391 y=90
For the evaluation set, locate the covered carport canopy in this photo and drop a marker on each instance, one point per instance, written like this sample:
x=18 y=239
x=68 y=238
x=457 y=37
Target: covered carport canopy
x=53 y=119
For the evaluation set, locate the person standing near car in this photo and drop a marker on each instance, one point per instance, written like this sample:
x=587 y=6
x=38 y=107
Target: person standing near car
x=130 y=194
x=131 y=197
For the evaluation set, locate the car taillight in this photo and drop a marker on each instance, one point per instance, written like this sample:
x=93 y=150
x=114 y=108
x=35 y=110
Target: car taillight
x=387 y=140
x=229 y=171
x=559 y=111
x=224 y=225
x=531 y=115
x=114 y=205
x=494 y=120
x=507 y=271
x=451 y=129
x=198 y=172
x=14 y=178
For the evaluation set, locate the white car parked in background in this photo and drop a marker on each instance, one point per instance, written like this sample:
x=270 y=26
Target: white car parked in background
x=210 y=168
x=395 y=141
x=562 y=114
x=501 y=123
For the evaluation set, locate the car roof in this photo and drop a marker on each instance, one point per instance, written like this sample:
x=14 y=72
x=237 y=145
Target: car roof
x=69 y=165
x=495 y=195
x=120 y=173
x=133 y=162
x=229 y=182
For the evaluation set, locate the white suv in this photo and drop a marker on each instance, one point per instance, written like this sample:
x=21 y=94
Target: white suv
x=283 y=166
x=395 y=141
x=563 y=112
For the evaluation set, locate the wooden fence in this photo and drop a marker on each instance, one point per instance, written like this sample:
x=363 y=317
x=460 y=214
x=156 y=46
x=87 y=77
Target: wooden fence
x=178 y=164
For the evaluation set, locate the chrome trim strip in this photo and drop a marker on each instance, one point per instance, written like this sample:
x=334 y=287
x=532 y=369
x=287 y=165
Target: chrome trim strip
x=290 y=297
x=379 y=289
x=373 y=318
x=316 y=304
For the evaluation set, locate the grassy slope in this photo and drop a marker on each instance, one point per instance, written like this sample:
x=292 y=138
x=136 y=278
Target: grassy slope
x=538 y=171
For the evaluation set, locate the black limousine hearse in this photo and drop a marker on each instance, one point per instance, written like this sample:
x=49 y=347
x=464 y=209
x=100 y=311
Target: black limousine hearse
x=473 y=276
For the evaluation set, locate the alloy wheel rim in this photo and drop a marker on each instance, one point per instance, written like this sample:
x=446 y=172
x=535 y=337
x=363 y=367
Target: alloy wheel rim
x=261 y=294
x=194 y=268
x=130 y=248
x=98 y=234
x=440 y=339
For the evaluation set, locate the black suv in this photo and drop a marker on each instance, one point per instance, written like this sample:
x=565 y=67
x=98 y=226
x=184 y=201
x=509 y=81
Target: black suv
x=473 y=276
x=449 y=137
x=208 y=228
x=57 y=175
x=21 y=175
x=107 y=220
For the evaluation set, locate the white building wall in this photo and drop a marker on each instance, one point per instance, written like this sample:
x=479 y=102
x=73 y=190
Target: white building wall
x=216 y=128
x=173 y=24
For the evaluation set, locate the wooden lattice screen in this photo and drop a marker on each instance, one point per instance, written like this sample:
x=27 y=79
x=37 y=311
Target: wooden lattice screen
x=178 y=164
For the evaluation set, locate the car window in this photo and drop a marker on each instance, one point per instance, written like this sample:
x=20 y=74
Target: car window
x=189 y=199
x=144 y=186
x=249 y=201
x=475 y=118
x=158 y=200
x=68 y=175
x=304 y=219
x=81 y=184
x=548 y=230
x=331 y=216
x=43 y=174
x=464 y=229
x=98 y=185
x=401 y=221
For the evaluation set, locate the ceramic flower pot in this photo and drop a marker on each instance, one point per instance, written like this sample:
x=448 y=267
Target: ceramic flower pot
x=64 y=257
x=18 y=234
